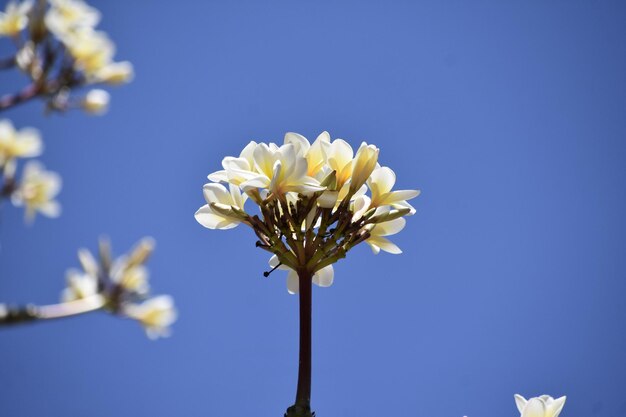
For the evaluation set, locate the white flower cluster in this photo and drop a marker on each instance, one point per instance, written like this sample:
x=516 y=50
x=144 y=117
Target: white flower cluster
x=123 y=282
x=37 y=187
x=64 y=50
x=313 y=201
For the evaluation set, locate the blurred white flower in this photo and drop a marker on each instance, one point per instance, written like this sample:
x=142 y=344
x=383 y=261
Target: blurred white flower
x=96 y=101
x=37 y=190
x=92 y=50
x=65 y=16
x=24 y=143
x=132 y=278
x=543 y=406
x=25 y=56
x=79 y=285
x=322 y=278
x=15 y=17
x=156 y=315
x=114 y=73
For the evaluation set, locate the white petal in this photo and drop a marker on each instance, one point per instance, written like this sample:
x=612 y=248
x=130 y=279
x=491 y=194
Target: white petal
x=324 y=277
x=328 y=199
x=400 y=195
x=51 y=209
x=301 y=143
x=236 y=163
x=264 y=159
x=260 y=181
x=380 y=243
x=404 y=204
x=323 y=137
x=53 y=183
x=535 y=407
x=360 y=206
x=520 y=402
x=389 y=228
x=218 y=176
x=293 y=283
x=216 y=193
x=274 y=261
x=211 y=220
x=381 y=181
x=248 y=153
x=372 y=243
x=555 y=406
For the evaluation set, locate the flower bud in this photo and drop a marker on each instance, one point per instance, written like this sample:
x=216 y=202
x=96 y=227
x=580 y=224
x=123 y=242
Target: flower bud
x=140 y=253
x=363 y=164
x=96 y=102
x=390 y=215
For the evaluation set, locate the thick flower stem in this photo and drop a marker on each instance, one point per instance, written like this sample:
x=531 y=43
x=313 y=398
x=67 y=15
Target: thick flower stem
x=302 y=406
x=18 y=315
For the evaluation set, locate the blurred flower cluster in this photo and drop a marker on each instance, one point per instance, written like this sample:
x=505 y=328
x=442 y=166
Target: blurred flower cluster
x=37 y=188
x=312 y=202
x=122 y=284
x=59 y=48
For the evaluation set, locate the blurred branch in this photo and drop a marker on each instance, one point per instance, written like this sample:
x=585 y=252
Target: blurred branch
x=12 y=100
x=15 y=315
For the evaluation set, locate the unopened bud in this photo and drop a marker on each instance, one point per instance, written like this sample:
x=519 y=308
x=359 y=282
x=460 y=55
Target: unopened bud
x=96 y=102
x=390 y=215
x=116 y=73
x=140 y=253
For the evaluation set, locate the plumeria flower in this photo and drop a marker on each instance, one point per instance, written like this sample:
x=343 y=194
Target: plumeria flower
x=377 y=231
x=543 y=406
x=156 y=315
x=15 y=17
x=322 y=278
x=218 y=212
x=37 y=191
x=237 y=169
x=24 y=143
x=381 y=182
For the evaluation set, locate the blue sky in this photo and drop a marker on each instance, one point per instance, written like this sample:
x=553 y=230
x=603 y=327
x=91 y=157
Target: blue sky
x=509 y=116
